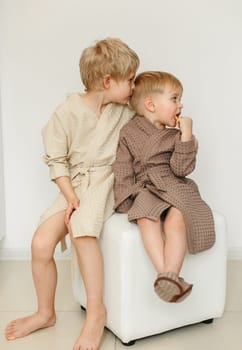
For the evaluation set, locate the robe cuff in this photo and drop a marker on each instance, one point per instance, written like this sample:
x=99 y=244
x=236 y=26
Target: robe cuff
x=185 y=146
x=58 y=170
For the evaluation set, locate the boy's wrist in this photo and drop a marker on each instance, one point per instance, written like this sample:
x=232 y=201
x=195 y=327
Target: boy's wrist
x=72 y=199
x=65 y=185
x=186 y=136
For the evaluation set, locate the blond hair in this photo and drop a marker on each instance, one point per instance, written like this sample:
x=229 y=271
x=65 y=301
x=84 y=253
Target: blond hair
x=109 y=56
x=151 y=82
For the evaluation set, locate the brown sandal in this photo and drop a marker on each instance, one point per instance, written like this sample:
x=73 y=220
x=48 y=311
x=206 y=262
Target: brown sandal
x=167 y=286
x=171 y=288
x=186 y=287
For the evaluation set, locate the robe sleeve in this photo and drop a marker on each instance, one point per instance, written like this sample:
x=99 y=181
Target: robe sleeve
x=183 y=159
x=124 y=178
x=56 y=148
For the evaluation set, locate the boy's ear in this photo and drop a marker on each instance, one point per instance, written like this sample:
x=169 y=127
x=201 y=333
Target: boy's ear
x=106 y=81
x=149 y=104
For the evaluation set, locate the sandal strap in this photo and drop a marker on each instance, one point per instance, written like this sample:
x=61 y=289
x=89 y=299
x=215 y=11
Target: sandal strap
x=169 y=279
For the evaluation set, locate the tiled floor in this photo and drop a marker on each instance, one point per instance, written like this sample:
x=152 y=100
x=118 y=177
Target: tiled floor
x=17 y=299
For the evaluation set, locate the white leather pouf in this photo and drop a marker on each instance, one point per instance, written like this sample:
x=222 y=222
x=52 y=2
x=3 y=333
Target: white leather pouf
x=134 y=311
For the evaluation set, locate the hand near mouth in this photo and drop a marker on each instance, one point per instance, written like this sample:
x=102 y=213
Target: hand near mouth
x=177 y=118
x=185 y=125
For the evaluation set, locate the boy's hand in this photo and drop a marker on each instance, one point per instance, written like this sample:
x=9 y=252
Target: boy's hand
x=73 y=205
x=185 y=125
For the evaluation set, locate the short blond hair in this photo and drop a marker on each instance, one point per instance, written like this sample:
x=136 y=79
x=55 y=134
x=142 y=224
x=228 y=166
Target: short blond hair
x=108 y=56
x=151 y=82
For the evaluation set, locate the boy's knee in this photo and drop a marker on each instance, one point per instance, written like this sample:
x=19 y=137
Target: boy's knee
x=175 y=213
x=147 y=222
x=40 y=248
x=175 y=217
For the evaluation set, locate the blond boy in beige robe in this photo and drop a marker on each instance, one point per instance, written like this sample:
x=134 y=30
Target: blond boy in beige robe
x=80 y=143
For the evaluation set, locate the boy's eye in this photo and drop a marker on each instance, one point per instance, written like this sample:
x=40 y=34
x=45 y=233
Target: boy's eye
x=176 y=99
x=131 y=80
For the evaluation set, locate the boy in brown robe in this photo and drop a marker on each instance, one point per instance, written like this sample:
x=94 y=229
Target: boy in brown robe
x=156 y=151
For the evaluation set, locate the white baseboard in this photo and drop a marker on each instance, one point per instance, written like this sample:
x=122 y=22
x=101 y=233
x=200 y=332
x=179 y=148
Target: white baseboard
x=234 y=253
x=24 y=254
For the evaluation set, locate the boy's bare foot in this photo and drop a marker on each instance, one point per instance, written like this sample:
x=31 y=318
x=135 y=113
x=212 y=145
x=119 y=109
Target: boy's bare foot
x=92 y=331
x=23 y=326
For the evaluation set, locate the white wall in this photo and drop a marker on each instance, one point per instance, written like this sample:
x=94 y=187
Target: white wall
x=199 y=41
x=2 y=201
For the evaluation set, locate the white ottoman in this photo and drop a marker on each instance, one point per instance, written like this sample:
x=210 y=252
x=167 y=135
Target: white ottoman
x=133 y=309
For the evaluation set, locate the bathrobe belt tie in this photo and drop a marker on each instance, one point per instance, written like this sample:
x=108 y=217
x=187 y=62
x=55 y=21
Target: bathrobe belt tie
x=85 y=172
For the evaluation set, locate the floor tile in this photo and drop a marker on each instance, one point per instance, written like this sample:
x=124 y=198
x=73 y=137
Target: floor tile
x=225 y=333
x=17 y=289
x=17 y=298
x=60 y=337
x=234 y=286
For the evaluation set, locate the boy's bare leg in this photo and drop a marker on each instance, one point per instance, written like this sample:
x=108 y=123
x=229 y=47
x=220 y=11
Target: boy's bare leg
x=166 y=256
x=175 y=246
x=91 y=267
x=153 y=242
x=45 y=278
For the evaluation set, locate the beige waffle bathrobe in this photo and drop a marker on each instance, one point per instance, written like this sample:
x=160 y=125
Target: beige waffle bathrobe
x=83 y=147
x=150 y=177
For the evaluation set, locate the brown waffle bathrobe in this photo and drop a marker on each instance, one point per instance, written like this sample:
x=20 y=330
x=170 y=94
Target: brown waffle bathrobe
x=150 y=176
